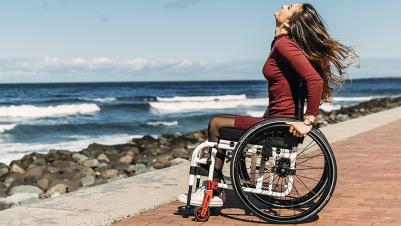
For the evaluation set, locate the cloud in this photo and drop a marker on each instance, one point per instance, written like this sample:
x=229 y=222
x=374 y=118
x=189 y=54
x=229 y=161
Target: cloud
x=54 y=69
x=180 y=4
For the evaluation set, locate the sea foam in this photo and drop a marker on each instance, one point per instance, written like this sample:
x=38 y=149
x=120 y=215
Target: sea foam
x=31 y=111
x=187 y=104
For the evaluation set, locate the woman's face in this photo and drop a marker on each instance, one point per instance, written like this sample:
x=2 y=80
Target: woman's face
x=286 y=12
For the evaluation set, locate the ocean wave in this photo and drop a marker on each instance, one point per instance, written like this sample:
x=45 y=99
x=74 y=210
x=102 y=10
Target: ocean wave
x=30 y=111
x=102 y=100
x=343 y=99
x=4 y=128
x=201 y=98
x=329 y=107
x=187 y=106
x=255 y=113
x=161 y=123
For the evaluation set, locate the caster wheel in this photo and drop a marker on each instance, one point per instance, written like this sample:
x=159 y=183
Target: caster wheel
x=198 y=217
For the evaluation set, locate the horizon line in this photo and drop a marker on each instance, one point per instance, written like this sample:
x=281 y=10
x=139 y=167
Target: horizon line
x=158 y=81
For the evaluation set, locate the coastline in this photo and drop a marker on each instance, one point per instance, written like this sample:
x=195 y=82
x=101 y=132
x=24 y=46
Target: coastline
x=39 y=176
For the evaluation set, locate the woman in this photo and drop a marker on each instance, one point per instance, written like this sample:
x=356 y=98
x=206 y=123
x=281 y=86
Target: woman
x=301 y=49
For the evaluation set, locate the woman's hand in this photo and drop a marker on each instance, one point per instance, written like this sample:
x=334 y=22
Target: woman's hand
x=299 y=129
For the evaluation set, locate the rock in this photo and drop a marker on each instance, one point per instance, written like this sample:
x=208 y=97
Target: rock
x=177 y=161
x=43 y=183
x=26 y=189
x=63 y=155
x=94 y=150
x=180 y=153
x=3 y=190
x=14 y=179
x=3 y=171
x=60 y=188
x=5 y=205
x=9 y=181
x=103 y=157
x=17 y=169
x=146 y=142
x=109 y=173
x=73 y=183
x=162 y=162
x=87 y=181
x=91 y=163
x=60 y=164
x=34 y=171
x=103 y=165
x=80 y=158
x=87 y=171
x=53 y=170
x=19 y=198
x=40 y=161
x=121 y=166
x=126 y=159
x=139 y=168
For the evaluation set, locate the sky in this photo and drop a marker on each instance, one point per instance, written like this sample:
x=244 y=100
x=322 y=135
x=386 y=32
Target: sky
x=175 y=40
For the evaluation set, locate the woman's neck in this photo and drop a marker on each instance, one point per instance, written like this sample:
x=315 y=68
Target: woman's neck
x=280 y=30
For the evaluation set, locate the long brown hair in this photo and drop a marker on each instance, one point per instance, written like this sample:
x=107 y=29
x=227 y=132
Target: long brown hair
x=325 y=54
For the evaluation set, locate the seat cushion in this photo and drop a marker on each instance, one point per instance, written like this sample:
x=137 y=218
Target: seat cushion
x=229 y=133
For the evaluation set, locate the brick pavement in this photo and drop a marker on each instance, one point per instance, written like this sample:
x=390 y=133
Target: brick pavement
x=368 y=190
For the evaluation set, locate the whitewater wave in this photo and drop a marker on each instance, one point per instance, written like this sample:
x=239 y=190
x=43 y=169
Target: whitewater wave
x=187 y=106
x=161 y=123
x=12 y=151
x=201 y=98
x=255 y=113
x=329 y=107
x=4 y=128
x=30 y=111
x=343 y=99
x=102 y=100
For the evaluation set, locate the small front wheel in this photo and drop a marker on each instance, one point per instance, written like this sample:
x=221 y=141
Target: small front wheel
x=198 y=215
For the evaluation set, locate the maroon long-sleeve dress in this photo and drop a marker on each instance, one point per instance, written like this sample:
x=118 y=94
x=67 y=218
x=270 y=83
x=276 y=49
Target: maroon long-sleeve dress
x=283 y=70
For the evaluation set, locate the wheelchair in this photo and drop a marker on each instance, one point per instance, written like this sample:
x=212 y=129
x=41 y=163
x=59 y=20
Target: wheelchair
x=279 y=177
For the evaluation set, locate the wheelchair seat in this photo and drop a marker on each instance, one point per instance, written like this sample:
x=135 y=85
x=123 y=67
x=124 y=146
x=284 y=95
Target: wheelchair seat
x=232 y=134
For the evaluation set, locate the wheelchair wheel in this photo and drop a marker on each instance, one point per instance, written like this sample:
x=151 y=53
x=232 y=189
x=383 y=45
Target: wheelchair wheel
x=296 y=201
x=282 y=178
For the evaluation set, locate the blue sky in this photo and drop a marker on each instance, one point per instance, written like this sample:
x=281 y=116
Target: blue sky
x=157 y=40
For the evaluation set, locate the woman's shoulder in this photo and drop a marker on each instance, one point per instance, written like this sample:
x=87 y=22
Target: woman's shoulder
x=285 y=42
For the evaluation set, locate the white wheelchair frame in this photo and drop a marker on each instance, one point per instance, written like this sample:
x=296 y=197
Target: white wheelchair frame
x=198 y=158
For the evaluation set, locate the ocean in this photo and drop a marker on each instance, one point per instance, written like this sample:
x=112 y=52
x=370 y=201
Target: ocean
x=39 y=117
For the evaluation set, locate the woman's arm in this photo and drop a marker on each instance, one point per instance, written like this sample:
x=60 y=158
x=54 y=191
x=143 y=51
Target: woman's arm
x=293 y=56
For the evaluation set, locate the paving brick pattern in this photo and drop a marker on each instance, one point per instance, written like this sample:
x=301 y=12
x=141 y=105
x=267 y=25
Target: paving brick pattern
x=368 y=190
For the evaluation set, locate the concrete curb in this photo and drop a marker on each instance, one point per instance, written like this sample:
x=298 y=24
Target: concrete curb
x=104 y=204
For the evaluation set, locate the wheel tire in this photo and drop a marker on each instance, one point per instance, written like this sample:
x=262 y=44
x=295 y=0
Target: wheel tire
x=250 y=136
x=199 y=217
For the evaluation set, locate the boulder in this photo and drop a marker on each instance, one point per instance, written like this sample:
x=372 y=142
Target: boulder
x=19 y=198
x=87 y=181
x=17 y=169
x=103 y=158
x=3 y=171
x=80 y=158
x=34 y=171
x=54 y=155
x=60 y=188
x=91 y=163
x=162 y=162
x=43 y=183
x=26 y=189
x=110 y=173
x=126 y=158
